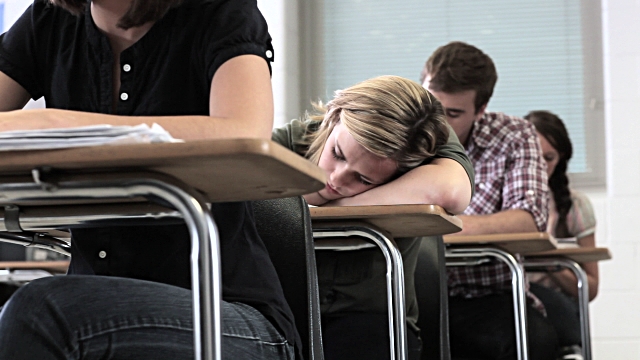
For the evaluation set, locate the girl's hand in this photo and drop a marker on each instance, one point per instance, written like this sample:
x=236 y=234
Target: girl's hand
x=315 y=199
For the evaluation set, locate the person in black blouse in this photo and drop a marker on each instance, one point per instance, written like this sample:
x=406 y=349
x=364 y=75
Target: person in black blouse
x=200 y=69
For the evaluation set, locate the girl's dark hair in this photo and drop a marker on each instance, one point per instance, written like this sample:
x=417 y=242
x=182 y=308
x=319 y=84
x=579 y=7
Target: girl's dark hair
x=140 y=12
x=552 y=128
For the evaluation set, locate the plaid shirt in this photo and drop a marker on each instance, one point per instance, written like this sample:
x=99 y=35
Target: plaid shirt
x=510 y=174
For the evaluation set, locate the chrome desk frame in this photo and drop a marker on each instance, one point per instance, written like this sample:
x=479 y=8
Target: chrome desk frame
x=205 y=253
x=583 y=293
x=479 y=256
x=395 y=274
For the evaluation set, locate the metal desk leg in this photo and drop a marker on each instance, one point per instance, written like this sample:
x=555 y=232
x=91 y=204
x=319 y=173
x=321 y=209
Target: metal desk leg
x=205 y=253
x=463 y=256
x=583 y=294
x=395 y=280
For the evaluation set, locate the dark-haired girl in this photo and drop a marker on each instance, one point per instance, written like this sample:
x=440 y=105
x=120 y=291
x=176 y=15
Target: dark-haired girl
x=570 y=216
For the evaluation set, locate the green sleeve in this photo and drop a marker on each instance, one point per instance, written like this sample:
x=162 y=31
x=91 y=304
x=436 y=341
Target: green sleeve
x=453 y=150
x=290 y=136
x=282 y=136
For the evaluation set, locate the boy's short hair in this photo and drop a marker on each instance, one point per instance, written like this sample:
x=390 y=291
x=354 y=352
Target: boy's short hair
x=457 y=67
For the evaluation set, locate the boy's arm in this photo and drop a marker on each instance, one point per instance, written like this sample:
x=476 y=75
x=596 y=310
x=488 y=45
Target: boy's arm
x=508 y=221
x=523 y=195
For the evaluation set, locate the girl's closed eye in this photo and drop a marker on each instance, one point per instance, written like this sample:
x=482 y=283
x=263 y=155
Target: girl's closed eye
x=364 y=182
x=336 y=155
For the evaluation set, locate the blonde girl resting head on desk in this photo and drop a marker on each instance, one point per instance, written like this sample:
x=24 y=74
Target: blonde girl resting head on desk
x=570 y=215
x=382 y=141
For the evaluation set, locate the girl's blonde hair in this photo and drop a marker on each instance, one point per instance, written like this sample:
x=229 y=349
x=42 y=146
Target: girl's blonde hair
x=390 y=116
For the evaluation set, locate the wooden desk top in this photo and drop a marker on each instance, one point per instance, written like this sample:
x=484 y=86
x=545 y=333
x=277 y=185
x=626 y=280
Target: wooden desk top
x=397 y=220
x=52 y=266
x=224 y=170
x=516 y=243
x=579 y=254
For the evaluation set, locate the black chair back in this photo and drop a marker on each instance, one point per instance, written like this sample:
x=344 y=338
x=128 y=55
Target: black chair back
x=433 y=303
x=285 y=228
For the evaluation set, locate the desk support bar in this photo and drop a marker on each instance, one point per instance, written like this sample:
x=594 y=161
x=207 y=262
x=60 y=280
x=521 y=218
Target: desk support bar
x=205 y=253
x=39 y=223
x=395 y=278
x=472 y=257
x=41 y=241
x=583 y=294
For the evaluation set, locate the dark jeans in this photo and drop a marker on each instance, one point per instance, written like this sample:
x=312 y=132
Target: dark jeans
x=94 y=317
x=6 y=290
x=483 y=328
x=562 y=312
x=365 y=336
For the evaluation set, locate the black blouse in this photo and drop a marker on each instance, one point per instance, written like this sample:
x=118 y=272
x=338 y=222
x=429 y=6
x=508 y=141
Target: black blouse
x=67 y=60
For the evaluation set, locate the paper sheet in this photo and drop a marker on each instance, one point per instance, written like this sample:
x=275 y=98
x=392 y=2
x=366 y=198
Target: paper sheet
x=83 y=136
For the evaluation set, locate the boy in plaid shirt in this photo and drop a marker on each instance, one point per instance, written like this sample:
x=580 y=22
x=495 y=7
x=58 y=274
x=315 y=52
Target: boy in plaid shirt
x=510 y=196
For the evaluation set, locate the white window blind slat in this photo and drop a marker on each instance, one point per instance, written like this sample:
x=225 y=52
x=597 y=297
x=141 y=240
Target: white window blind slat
x=536 y=45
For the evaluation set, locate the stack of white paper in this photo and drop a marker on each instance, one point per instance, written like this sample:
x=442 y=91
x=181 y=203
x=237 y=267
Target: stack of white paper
x=83 y=136
x=22 y=276
x=570 y=242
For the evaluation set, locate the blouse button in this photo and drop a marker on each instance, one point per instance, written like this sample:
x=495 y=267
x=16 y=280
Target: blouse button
x=126 y=67
x=102 y=254
x=124 y=96
x=269 y=54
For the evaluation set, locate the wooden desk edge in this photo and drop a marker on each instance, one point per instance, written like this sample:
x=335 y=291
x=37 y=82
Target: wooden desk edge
x=16 y=166
x=373 y=211
x=290 y=157
x=57 y=266
x=497 y=238
x=400 y=221
x=24 y=161
x=602 y=253
x=513 y=243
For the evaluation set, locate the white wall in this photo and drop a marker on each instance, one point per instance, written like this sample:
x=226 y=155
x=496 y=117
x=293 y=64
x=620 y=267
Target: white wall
x=282 y=18
x=615 y=313
x=12 y=11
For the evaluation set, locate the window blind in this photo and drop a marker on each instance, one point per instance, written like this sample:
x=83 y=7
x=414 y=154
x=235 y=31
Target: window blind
x=537 y=47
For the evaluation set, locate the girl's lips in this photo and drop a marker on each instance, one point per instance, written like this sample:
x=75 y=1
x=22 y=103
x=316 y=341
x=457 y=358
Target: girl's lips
x=331 y=190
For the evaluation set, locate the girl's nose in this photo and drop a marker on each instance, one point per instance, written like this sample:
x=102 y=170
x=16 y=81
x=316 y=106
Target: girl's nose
x=338 y=177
